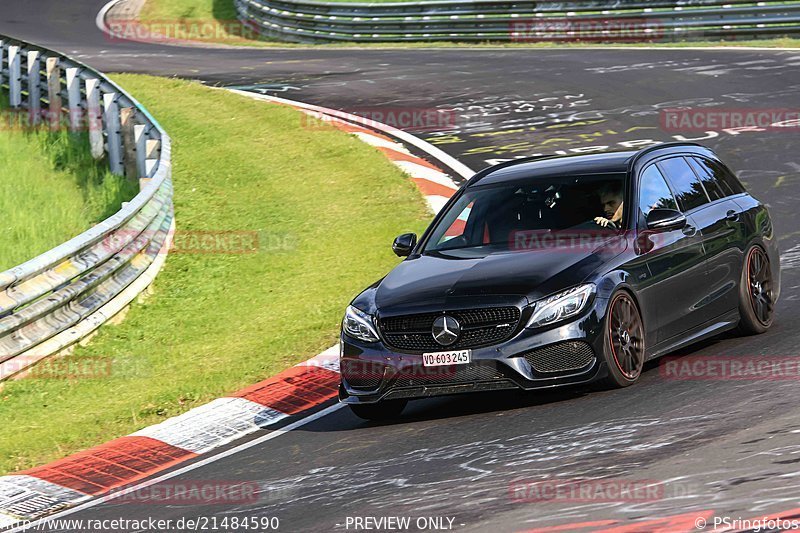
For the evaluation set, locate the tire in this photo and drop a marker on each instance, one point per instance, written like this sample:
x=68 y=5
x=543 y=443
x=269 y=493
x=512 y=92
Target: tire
x=756 y=302
x=379 y=411
x=623 y=342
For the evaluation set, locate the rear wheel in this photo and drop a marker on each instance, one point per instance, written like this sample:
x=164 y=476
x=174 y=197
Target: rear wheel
x=756 y=303
x=379 y=411
x=624 y=345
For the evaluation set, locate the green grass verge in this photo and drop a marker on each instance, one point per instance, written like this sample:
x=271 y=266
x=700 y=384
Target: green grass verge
x=189 y=9
x=50 y=189
x=330 y=206
x=224 y=10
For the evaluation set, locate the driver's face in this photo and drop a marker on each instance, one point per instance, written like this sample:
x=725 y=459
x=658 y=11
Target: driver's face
x=611 y=203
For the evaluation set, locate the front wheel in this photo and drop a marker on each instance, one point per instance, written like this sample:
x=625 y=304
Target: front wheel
x=756 y=303
x=624 y=343
x=379 y=411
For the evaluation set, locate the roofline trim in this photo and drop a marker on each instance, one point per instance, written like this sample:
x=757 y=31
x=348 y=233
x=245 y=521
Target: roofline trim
x=673 y=144
x=488 y=170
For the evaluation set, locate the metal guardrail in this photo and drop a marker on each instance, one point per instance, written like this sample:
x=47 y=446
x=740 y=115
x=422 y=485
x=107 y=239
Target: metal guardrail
x=59 y=297
x=521 y=21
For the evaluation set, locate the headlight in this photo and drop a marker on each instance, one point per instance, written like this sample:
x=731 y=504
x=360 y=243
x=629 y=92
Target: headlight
x=359 y=325
x=561 y=306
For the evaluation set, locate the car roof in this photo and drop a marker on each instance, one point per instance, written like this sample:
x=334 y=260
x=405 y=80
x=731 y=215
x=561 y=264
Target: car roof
x=619 y=162
x=562 y=166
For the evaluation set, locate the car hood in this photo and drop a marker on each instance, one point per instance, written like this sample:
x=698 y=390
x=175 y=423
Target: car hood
x=438 y=279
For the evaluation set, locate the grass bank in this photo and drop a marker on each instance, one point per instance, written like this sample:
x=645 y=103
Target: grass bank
x=325 y=208
x=224 y=11
x=50 y=189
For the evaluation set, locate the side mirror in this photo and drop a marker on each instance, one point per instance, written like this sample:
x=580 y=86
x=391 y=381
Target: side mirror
x=665 y=219
x=403 y=244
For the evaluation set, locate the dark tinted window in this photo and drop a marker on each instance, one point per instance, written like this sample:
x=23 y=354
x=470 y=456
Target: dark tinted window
x=714 y=187
x=729 y=184
x=492 y=217
x=654 y=192
x=688 y=189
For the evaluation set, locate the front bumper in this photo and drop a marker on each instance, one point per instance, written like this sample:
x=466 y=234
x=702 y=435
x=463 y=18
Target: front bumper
x=567 y=354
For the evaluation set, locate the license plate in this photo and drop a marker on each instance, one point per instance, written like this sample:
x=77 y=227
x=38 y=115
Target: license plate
x=460 y=357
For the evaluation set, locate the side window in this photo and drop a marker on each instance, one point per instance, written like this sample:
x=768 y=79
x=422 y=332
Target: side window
x=729 y=184
x=715 y=188
x=459 y=225
x=687 y=186
x=654 y=192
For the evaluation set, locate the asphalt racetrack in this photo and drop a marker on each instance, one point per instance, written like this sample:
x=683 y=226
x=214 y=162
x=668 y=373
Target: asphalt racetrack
x=723 y=448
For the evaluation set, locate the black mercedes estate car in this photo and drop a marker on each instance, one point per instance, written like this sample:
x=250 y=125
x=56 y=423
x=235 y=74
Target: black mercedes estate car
x=553 y=271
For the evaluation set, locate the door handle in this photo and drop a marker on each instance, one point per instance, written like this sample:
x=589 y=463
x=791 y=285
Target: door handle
x=689 y=231
x=732 y=215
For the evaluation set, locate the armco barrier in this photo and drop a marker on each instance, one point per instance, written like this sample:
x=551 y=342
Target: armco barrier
x=521 y=21
x=54 y=300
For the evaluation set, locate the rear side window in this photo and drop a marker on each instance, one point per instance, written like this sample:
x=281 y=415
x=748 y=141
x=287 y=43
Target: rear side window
x=654 y=192
x=688 y=189
x=714 y=187
x=727 y=182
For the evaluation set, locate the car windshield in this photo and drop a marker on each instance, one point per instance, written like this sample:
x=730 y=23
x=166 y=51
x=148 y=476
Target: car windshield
x=493 y=215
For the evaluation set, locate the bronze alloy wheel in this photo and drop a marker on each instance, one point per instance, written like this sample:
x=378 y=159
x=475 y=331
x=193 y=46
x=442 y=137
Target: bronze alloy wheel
x=759 y=285
x=626 y=336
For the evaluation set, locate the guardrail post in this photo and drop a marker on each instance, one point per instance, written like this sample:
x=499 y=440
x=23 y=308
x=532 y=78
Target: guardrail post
x=34 y=87
x=14 y=77
x=74 y=99
x=94 y=118
x=140 y=140
x=41 y=290
x=152 y=147
x=113 y=137
x=127 y=127
x=54 y=92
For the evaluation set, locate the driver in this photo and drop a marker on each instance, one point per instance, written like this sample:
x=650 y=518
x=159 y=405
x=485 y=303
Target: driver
x=611 y=200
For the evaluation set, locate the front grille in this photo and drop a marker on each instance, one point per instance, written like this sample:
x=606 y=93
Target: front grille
x=452 y=388
x=362 y=375
x=479 y=327
x=447 y=375
x=560 y=357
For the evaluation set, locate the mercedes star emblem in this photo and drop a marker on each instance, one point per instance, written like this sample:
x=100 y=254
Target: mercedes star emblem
x=446 y=330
